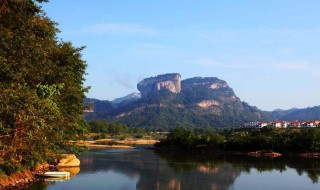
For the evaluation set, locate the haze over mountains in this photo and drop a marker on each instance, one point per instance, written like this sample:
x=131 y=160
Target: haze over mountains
x=166 y=101
x=131 y=97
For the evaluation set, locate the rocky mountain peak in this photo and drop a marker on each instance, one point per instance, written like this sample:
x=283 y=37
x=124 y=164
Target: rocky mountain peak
x=171 y=82
x=209 y=82
x=194 y=102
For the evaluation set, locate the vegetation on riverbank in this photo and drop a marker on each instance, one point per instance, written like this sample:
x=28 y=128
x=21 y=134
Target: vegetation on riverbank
x=102 y=130
x=42 y=93
x=117 y=135
x=23 y=177
x=269 y=139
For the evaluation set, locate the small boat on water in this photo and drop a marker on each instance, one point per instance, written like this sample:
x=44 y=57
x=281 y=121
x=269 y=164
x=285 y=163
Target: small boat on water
x=55 y=174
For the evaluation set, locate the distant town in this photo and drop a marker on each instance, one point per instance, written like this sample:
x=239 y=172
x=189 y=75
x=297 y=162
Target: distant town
x=283 y=124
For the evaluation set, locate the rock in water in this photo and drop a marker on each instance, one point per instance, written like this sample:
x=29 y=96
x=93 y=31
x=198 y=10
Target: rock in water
x=68 y=160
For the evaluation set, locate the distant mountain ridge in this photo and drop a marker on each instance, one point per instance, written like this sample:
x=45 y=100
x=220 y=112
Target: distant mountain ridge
x=168 y=102
x=304 y=114
x=131 y=97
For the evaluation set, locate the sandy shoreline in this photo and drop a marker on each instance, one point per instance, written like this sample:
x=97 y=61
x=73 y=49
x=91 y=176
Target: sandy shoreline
x=127 y=143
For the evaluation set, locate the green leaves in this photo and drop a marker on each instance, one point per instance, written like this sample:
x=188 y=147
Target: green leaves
x=46 y=91
x=41 y=87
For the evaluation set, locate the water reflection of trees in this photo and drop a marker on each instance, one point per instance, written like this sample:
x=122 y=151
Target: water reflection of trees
x=184 y=161
x=158 y=173
x=181 y=170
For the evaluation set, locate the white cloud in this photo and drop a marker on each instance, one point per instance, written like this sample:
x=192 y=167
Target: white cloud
x=120 y=28
x=285 y=51
x=316 y=71
x=260 y=63
x=294 y=65
x=232 y=62
x=263 y=35
x=155 y=50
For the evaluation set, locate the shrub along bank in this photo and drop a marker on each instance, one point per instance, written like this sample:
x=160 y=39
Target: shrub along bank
x=268 y=138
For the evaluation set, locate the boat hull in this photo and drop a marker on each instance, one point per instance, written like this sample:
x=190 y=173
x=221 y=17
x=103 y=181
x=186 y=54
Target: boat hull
x=55 y=174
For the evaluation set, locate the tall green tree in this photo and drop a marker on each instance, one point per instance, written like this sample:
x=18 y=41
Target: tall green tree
x=41 y=87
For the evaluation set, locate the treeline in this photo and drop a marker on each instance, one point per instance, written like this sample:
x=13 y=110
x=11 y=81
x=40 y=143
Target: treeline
x=41 y=88
x=267 y=138
x=104 y=129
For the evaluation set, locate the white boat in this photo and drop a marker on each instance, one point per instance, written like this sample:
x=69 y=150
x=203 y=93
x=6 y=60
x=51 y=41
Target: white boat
x=55 y=174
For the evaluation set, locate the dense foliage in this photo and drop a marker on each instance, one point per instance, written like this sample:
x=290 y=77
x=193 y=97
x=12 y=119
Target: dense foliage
x=267 y=138
x=41 y=87
x=113 y=129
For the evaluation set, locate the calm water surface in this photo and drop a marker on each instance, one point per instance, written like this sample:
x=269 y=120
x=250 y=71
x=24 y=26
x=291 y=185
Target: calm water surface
x=122 y=169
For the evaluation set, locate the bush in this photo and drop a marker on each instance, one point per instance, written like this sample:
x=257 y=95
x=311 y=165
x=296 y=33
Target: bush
x=279 y=140
x=2 y=172
x=9 y=168
x=99 y=136
x=138 y=136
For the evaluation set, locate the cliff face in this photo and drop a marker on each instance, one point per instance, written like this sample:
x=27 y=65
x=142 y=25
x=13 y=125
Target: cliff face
x=208 y=91
x=171 y=82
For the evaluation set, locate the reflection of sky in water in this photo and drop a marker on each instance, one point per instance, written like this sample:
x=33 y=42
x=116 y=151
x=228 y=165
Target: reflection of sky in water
x=288 y=179
x=97 y=181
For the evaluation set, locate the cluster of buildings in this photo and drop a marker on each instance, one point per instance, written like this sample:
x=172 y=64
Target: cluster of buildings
x=283 y=124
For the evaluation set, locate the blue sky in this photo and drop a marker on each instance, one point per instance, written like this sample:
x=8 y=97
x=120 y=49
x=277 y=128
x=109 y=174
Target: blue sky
x=267 y=51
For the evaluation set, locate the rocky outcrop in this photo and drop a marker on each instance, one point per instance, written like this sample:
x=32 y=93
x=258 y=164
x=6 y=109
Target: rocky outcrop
x=218 y=85
x=171 y=82
x=207 y=82
x=208 y=103
x=208 y=91
x=72 y=170
x=68 y=160
x=169 y=101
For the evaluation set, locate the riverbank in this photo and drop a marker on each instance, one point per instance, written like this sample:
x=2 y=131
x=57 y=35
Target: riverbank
x=116 y=143
x=23 y=178
x=67 y=162
x=186 y=170
x=27 y=177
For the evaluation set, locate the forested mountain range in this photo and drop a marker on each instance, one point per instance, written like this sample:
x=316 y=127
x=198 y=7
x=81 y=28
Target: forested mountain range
x=305 y=114
x=167 y=102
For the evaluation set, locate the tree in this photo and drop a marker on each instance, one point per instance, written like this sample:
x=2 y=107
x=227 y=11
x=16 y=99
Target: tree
x=41 y=87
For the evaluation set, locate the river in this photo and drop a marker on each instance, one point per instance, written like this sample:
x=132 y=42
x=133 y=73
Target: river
x=144 y=169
